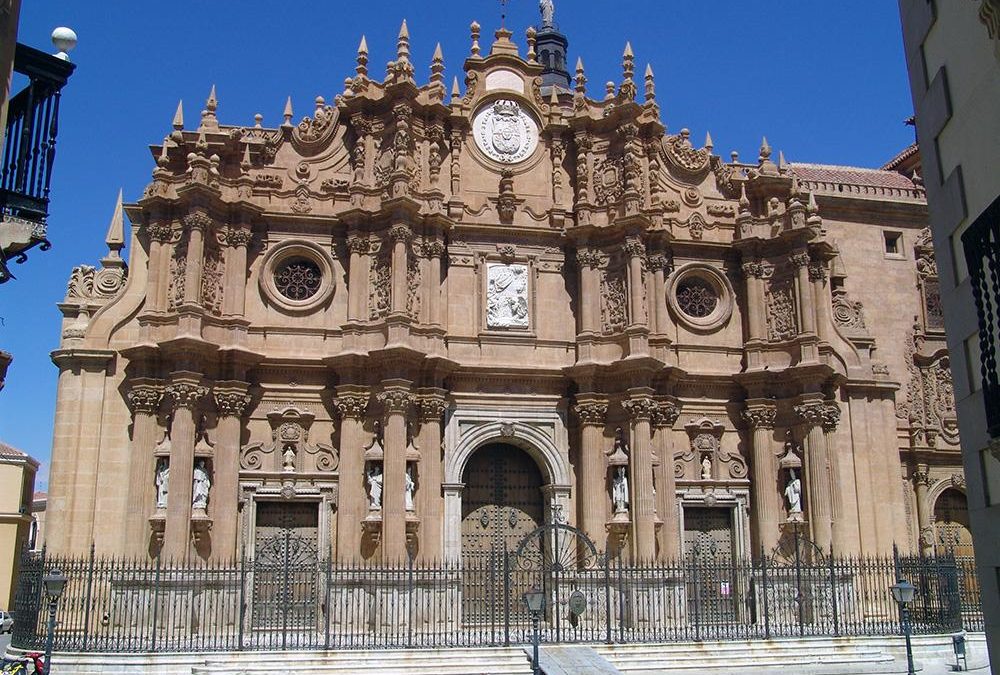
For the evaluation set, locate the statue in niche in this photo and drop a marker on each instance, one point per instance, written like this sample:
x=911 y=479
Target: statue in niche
x=410 y=486
x=793 y=493
x=619 y=490
x=548 y=10
x=162 y=478
x=375 y=486
x=201 y=485
x=288 y=457
x=507 y=296
x=706 y=468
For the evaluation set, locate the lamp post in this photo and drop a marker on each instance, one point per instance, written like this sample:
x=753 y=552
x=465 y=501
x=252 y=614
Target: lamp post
x=902 y=593
x=54 y=583
x=535 y=600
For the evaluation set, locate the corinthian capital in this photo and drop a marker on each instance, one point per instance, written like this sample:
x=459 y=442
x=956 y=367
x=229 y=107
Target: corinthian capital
x=395 y=400
x=352 y=406
x=760 y=417
x=145 y=398
x=432 y=407
x=197 y=221
x=231 y=403
x=831 y=416
x=665 y=414
x=810 y=413
x=592 y=413
x=639 y=408
x=634 y=247
x=186 y=394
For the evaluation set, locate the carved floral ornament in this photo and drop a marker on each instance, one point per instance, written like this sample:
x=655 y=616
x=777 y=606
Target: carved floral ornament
x=592 y=413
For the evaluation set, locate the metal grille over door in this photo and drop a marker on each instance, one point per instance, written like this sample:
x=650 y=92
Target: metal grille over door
x=708 y=544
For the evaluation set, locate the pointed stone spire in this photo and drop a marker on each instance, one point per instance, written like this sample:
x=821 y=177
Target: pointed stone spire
x=403 y=43
x=554 y=98
x=650 y=84
x=474 y=29
x=245 y=163
x=628 y=88
x=208 y=119
x=581 y=78
x=178 y=122
x=116 y=230
x=362 y=67
x=437 y=67
x=782 y=164
x=813 y=218
x=812 y=207
x=456 y=93
x=708 y=141
x=744 y=200
x=287 y=113
x=164 y=159
x=764 y=160
x=765 y=151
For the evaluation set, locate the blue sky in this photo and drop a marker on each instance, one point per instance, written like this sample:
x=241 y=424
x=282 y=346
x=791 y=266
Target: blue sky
x=825 y=82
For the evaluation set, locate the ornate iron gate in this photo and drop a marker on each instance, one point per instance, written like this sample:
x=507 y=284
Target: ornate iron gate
x=286 y=568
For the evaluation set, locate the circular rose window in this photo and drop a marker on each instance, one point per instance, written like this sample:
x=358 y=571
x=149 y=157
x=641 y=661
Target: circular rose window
x=700 y=296
x=298 y=279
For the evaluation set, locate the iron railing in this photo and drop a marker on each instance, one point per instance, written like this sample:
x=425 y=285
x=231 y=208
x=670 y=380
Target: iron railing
x=982 y=254
x=144 y=606
x=29 y=150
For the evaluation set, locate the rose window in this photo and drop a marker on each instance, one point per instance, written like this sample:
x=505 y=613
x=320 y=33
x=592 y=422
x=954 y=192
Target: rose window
x=298 y=279
x=696 y=297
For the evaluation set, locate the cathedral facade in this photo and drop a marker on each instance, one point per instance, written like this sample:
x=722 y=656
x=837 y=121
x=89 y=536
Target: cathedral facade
x=422 y=321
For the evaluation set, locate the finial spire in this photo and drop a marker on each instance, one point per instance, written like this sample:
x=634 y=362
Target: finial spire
x=474 y=31
x=456 y=94
x=708 y=141
x=208 y=119
x=116 y=230
x=628 y=88
x=362 y=67
x=765 y=150
x=245 y=163
x=650 y=84
x=782 y=164
x=178 y=122
x=288 y=113
x=403 y=43
x=437 y=66
x=581 y=78
x=744 y=201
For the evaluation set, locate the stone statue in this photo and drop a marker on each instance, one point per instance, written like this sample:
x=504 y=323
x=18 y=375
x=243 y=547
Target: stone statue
x=201 y=485
x=793 y=492
x=619 y=491
x=706 y=468
x=410 y=485
x=162 y=478
x=548 y=10
x=375 y=487
x=288 y=457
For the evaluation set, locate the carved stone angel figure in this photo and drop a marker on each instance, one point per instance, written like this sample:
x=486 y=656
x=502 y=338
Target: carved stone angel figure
x=201 y=485
x=162 y=478
x=375 y=487
x=619 y=491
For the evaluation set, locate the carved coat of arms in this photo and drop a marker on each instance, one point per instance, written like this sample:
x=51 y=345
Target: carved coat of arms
x=504 y=132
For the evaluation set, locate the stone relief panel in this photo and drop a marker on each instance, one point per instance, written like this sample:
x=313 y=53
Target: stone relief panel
x=379 y=285
x=930 y=397
x=413 y=286
x=781 y=322
x=178 y=267
x=507 y=295
x=848 y=314
x=614 y=301
x=212 y=276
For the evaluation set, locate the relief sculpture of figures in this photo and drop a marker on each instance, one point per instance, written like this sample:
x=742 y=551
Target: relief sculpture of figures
x=201 y=485
x=162 y=478
x=793 y=492
x=507 y=296
x=619 y=491
x=410 y=486
x=375 y=487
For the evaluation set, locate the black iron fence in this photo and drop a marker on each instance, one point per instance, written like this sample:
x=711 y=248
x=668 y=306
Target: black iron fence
x=140 y=606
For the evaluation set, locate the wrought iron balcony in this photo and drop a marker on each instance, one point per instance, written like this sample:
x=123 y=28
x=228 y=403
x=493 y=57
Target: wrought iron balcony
x=982 y=253
x=28 y=154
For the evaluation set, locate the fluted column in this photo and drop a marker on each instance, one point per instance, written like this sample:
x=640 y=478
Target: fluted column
x=358 y=246
x=668 y=536
x=184 y=393
x=429 y=499
x=400 y=235
x=144 y=399
x=804 y=294
x=635 y=250
x=236 y=271
x=766 y=507
x=590 y=291
x=352 y=503
x=640 y=408
x=231 y=400
x=591 y=490
x=817 y=474
x=755 y=271
x=841 y=536
x=434 y=250
x=160 y=235
x=921 y=483
x=197 y=223
x=660 y=317
x=821 y=298
x=396 y=400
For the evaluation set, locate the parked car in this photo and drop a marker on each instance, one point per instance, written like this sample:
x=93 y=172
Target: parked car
x=6 y=622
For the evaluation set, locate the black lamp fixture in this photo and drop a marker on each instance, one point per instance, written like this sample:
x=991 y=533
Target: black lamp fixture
x=903 y=592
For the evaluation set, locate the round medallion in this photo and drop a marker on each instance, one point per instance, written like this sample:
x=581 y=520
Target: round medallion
x=504 y=132
x=700 y=296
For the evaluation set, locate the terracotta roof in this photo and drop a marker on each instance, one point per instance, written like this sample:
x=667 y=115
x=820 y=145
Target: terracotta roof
x=852 y=175
x=896 y=161
x=10 y=452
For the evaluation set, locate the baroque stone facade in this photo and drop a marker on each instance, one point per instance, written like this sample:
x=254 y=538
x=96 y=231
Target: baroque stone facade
x=329 y=327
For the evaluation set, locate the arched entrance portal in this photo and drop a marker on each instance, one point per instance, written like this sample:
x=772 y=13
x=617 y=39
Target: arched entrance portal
x=951 y=524
x=502 y=500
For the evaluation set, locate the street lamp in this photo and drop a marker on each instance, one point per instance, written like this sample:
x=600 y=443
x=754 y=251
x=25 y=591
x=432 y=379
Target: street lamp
x=535 y=600
x=54 y=583
x=902 y=593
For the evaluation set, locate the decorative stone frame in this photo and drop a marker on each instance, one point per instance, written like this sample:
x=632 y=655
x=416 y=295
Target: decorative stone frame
x=297 y=248
x=531 y=161
x=735 y=499
x=482 y=272
x=719 y=283
x=324 y=495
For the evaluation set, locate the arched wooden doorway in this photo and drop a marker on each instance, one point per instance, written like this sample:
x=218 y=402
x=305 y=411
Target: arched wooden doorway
x=502 y=500
x=951 y=524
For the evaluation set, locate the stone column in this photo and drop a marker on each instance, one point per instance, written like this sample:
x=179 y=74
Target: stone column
x=352 y=501
x=804 y=295
x=231 y=400
x=668 y=536
x=821 y=298
x=591 y=486
x=452 y=521
x=396 y=400
x=590 y=290
x=635 y=250
x=144 y=399
x=356 y=286
x=434 y=250
x=842 y=541
x=755 y=272
x=236 y=271
x=921 y=483
x=400 y=235
x=160 y=235
x=639 y=407
x=197 y=223
x=660 y=318
x=429 y=500
x=817 y=470
x=766 y=505
x=184 y=393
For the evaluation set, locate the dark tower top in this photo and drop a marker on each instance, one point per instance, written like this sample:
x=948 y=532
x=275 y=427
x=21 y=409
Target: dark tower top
x=551 y=47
